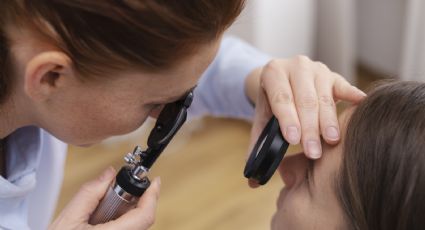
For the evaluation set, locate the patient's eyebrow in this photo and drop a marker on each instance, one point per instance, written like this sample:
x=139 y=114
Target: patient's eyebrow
x=310 y=176
x=311 y=170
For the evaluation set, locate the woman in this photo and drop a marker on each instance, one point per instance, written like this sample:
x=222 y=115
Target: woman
x=81 y=71
x=374 y=179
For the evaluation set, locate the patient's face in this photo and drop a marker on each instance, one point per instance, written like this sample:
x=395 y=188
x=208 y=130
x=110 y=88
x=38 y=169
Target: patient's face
x=308 y=200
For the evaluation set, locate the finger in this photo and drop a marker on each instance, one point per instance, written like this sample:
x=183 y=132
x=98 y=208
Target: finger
x=279 y=94
x=306 y=101
x=150 y=197
x=88 y=197
x=143 y=216
x=343 y=90
x=253 y=183
x=262 y=115
x=328 y=120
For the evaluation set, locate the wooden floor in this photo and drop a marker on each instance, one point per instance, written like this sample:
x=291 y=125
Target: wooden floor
x=202 y=182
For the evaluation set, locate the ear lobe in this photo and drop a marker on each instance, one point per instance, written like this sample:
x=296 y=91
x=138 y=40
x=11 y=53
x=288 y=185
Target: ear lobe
x=45 y=73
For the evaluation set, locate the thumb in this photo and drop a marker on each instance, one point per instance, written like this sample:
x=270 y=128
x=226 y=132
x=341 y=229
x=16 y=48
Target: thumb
x=89 y=196
x=262 y=116
x=143 y=216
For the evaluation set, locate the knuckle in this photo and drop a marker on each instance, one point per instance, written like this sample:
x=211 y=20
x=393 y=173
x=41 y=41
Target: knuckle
x=282 y=98
x=308 y=102
x=310 y=130
x=272 y=66
x=87 y=187
x=326 y=100
x=302 y=58
x=150 y=219
x=322 y=67
x=326 y=122
x=303 y=62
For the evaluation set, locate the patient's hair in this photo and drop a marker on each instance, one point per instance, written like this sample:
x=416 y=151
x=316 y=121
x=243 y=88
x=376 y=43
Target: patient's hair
x=105 y=35
x=382 y=179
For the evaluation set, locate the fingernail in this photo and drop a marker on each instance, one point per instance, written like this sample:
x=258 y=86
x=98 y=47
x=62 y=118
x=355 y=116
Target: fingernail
x=332 y=133
x=293 y=135
x=314 y=150
x=108 y=173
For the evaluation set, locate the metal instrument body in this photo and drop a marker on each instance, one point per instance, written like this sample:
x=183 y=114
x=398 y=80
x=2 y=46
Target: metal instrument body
x=132 y=181
x=117 y=201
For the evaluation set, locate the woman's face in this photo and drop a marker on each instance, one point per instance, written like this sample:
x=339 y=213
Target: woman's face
x=86 y=112
x=308 y=200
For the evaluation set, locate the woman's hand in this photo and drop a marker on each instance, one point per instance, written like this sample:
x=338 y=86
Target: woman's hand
x=301 y=94
x=77 y=213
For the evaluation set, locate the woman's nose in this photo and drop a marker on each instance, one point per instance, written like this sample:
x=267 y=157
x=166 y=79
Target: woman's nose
x=155 y=112
x=292 y=169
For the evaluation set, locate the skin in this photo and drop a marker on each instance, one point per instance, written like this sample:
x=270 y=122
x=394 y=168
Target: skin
x=301 y=93
x=311 y=203
x=48 y=93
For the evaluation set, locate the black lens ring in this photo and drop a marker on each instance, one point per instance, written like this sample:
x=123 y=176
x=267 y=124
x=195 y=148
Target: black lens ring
x=267 y=154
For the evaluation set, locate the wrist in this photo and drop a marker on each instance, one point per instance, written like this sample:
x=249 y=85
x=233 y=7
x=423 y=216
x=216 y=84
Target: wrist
x=252 y=85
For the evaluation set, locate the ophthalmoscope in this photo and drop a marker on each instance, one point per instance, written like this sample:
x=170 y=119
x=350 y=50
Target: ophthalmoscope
x=132 y=179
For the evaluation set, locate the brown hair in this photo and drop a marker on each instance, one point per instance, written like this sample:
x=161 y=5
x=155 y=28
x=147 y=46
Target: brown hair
x=382 y=179
x=105 y=35
x=5 y=73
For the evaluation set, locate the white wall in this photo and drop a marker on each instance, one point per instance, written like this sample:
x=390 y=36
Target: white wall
x=282 y=28
x=321 y=29
x=380 y=25
x=336 y=42
x=413 y=63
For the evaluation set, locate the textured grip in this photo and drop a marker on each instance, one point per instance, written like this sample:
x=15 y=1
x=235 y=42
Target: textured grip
x=111 y=207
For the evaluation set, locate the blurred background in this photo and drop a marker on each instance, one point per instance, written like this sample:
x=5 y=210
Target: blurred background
x=201 y=171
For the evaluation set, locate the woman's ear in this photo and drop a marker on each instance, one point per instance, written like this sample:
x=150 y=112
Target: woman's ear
x=45 y=73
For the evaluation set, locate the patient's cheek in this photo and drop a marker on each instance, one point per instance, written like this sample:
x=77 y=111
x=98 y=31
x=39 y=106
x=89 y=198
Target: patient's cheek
x=294 y=210
x=288 y=178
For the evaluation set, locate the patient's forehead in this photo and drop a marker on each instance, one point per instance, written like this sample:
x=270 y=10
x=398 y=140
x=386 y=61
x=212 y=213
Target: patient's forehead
x=344 y=117
x=327 y=167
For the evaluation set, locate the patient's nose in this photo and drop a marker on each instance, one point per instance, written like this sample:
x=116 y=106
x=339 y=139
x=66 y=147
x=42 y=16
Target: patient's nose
x=292 y=169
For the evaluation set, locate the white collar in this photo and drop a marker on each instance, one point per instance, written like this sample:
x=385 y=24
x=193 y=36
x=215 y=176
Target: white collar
x=23 y=153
